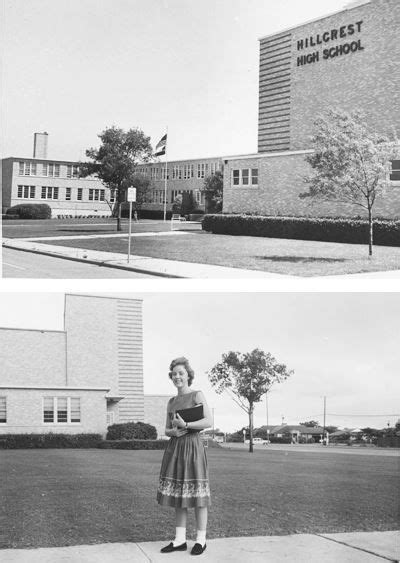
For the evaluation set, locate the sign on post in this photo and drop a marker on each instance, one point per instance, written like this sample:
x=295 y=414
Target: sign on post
x=130 y=196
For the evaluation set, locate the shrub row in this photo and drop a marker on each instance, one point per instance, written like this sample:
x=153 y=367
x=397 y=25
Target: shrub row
x=50 y=440
x=31 y=211
x=147 y=213
x=133 y=444
x=355 y=231
x=131 y=431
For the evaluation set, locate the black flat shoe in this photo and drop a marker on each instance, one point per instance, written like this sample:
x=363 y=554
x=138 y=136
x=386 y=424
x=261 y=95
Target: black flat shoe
x=198 y=549
x=170 y=547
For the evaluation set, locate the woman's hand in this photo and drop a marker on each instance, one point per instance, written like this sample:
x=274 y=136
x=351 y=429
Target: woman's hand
x=178 y=422
x=177 y=432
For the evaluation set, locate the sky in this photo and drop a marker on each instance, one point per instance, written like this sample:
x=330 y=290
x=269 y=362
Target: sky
x=74 y=67
x=340 y=345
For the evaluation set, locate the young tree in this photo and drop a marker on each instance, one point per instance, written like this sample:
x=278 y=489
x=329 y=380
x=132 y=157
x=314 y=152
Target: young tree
x=246 y=377
x=116 y=160
x=213 y=192
x=351 y=163
x=177 y=204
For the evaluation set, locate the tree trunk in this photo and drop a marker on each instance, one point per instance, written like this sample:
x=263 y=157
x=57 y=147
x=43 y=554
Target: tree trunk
x=371 y=231
x=251 y=429
x=119 y=198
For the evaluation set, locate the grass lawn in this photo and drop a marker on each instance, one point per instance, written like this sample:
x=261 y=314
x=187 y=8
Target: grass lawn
x=282 y=256
x=69 y=497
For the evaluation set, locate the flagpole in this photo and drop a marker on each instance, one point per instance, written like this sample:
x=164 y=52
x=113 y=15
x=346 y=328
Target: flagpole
x=166 y=175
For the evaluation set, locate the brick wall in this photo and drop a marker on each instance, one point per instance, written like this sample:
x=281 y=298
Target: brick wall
x=281 y=180
x=155 y=410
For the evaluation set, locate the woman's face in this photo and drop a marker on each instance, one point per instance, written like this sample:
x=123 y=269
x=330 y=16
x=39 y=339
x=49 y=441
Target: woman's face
x=180 y=376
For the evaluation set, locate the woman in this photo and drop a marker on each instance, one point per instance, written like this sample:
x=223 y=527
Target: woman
x=184 y=471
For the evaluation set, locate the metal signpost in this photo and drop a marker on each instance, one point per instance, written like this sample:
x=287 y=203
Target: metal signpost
x=130 y=196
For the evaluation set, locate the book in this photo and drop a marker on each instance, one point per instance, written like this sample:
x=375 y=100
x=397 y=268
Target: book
x=192 y=414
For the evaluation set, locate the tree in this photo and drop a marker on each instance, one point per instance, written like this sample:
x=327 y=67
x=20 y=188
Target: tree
x=213 y=192
x=310 y=423
x=351 y=163
x=115 y=161
x=330 y=429
x=246 y=377
x=177 y=204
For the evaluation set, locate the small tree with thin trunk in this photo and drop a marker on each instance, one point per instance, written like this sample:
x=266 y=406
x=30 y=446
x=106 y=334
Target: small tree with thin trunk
x=212 y=189
x=116 y=160
x=246 y=377
x=351 y=163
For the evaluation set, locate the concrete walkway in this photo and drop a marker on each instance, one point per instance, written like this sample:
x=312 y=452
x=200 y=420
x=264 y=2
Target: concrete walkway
x=357 y=547
x=143 y=264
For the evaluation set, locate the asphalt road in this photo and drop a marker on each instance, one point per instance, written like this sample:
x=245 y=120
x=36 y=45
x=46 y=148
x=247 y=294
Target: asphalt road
x=19 y=264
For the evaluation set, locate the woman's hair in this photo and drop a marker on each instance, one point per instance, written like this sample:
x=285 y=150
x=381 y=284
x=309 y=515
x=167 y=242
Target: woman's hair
x=182 y=361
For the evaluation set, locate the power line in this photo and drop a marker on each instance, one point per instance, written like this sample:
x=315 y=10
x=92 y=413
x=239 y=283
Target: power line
x=355 y=415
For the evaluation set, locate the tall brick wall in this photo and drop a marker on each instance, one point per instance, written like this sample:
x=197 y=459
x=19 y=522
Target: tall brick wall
x=367 y=79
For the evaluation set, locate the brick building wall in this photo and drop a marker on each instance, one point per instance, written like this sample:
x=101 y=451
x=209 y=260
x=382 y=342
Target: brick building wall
x=292 y=94
x=155 y=410
x=281 y=180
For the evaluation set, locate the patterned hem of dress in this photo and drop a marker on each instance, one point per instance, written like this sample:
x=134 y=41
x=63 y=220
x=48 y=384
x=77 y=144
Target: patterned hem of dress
x=184 y=488
x=185 y=502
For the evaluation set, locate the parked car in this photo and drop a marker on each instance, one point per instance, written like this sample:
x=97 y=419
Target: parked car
x=257 y=441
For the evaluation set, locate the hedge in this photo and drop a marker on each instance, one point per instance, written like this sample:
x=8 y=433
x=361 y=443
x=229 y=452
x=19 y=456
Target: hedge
x=133 y=444
x=131 y=431
x=31 y=211
x=354 y=231
x=147 y=213
x=50 y=440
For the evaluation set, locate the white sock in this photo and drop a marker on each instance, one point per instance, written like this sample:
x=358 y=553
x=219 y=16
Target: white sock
x=180 y=536
x=201 y=537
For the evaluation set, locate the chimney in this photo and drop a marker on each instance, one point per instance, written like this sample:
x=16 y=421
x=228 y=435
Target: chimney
x=40 y=145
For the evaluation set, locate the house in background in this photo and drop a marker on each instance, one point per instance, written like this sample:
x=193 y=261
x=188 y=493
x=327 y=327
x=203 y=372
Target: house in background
x=298 y=432
x=77 y=380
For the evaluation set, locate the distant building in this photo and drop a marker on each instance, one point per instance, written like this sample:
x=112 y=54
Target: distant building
x=298 y=432
x=80 y=379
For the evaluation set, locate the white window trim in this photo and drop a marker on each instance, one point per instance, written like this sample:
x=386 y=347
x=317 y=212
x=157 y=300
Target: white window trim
x=55 y=422
x=5 y=403
x=250 y=185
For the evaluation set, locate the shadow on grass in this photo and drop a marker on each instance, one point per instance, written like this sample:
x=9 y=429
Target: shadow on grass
x=302 y=259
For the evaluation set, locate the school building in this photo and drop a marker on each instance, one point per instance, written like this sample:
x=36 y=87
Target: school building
x=79 y=379
x=347 y=60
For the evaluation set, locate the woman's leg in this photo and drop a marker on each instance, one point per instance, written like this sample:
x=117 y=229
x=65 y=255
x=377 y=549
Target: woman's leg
x=180 y=523
x=201 y=523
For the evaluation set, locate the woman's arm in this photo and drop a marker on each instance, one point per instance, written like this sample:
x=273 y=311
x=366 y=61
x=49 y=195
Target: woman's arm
x=173 y=431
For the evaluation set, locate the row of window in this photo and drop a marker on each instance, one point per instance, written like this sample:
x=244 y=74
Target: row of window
x=56 y=410
x=180 y=171
x=245 y=177
x=53 y=192
x=50 y=169
x=158 y=196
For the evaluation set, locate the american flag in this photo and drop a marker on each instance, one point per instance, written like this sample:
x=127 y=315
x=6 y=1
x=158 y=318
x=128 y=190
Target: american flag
x=161 y=146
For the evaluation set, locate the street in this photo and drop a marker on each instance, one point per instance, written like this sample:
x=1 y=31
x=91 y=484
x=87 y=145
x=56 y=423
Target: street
x=19 y=264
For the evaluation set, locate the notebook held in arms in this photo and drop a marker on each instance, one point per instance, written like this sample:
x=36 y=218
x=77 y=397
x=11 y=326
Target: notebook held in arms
x=192 y=414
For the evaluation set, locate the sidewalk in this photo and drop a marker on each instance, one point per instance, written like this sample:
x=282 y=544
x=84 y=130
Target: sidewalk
x=143 y=264
x=356 y=547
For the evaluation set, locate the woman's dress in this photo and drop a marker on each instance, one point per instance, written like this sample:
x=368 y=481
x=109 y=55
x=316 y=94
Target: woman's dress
x=184 y=470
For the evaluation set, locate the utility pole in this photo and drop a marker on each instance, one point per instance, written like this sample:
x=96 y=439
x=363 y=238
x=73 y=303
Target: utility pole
x=266 y=407
x=323 y=433
x=213 y=428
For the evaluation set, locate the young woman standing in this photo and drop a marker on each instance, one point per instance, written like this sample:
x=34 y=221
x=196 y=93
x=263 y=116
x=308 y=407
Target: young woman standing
x=184 y=471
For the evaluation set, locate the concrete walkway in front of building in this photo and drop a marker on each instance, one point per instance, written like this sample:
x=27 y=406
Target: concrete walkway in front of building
x=354 y=547
x=143 y=264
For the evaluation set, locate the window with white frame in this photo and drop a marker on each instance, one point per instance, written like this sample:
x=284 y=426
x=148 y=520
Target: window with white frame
x=72 y=171
x=3 y=410
x=26 y=192
x=198 y=196
x=68 y=194
x=202 y=170
x=164 y=172
x=49 y=192
x=96 y=195
x=112 y=196
x=51 y=170
x=395 y=173
x=79 y=195
x=214 y=167
x=188 y=171
x=27 y=168
x=110 y=418
x=245 y=177
x=61 y=410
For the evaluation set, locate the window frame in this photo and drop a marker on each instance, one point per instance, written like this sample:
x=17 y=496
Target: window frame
x=3 y=398
x=251 y=175
x=56 y=409
x=395 y=171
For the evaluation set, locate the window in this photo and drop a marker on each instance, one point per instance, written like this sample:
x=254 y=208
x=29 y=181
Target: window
x=49 y=192
x=61 y=410
x=198 y=197
x=72 y=171
x=26 y=192
x=163 y=171
x=27 y=168
x=79 y=194
x=67 y=194
x=51 y=169
x=112 y=196
x=110 y=418
x=395 y=174
x=245 y=177
x=96 y=195
x=214 y=166
x=188 y=171
x=3 y=409
x=202 y=170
